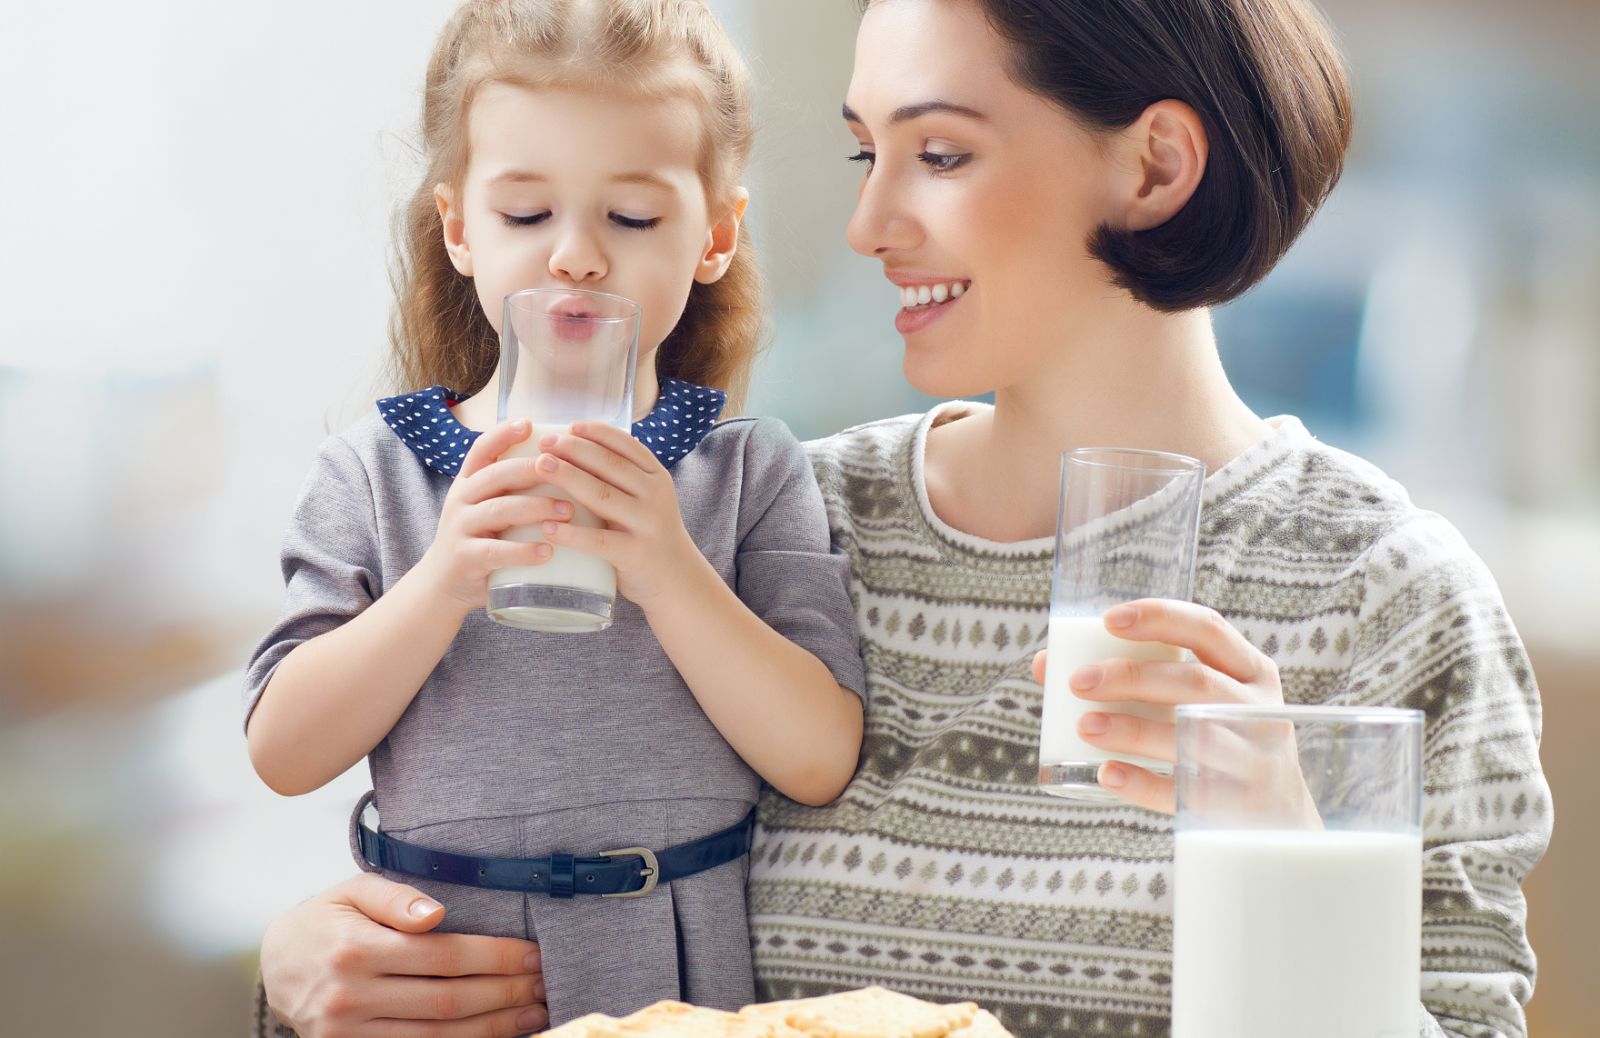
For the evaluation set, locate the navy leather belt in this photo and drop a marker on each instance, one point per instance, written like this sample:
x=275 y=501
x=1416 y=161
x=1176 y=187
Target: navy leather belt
x=625 y=872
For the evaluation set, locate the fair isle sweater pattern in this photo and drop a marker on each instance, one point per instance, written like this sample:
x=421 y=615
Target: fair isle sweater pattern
x=943 y=872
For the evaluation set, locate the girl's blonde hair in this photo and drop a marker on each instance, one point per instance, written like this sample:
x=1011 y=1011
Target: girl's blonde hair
x=439 y=333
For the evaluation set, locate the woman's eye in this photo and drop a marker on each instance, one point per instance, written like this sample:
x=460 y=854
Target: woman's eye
x=863 y=156
x=941 y=163
x=634 y=223
x=525 y=221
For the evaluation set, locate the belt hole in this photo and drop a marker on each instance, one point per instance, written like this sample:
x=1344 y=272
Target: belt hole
x=589 y=878
x=535 y=875
x=436 y=866
x=483 y=872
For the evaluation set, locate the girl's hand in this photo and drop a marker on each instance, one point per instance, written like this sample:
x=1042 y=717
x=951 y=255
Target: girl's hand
x=616 y=477
x=1228 y=669
x=357 y=960
x=482 y=502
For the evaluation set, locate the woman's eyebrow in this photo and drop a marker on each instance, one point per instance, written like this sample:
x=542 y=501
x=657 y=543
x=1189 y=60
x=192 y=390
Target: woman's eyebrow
x=908 y=112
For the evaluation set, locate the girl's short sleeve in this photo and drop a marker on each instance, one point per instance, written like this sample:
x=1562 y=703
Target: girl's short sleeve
x=329 y=559
x=789 y=572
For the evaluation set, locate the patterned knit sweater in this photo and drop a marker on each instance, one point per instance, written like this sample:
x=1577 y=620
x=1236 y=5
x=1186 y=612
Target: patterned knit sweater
x=942 y=871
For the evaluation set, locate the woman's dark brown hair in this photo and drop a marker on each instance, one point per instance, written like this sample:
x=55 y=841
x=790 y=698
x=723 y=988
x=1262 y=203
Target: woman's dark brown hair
x=1267 y=82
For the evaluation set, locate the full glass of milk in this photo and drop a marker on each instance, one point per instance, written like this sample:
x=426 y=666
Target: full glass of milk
x=1297 y=892
x=1127 y=528
x=565 y=356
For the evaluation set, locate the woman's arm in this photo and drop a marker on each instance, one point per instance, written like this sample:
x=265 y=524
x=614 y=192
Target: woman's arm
x=357 y=960
x=335 y=696
x=778 y=705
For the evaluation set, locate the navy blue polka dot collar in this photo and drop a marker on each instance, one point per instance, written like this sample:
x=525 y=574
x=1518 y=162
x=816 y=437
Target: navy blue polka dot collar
x=674 y=427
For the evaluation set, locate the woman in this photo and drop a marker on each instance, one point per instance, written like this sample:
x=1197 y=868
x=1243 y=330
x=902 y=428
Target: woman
x=1058 y=192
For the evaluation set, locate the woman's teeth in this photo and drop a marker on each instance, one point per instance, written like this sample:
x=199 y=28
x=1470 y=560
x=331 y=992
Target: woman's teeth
x=912 y=296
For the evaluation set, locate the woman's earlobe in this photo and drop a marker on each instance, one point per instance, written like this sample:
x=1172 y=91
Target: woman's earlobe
x=1169 y=141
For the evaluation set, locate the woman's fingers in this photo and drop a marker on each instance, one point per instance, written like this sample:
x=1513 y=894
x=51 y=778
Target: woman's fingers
x=493 y=443
x=1139 y=787
x=1203 y=631
x=504 y=1023
x=457 y=998
x=1127 y=734
x=1153 y=681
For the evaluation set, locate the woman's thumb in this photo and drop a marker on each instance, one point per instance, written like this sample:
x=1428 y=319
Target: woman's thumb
x=392 y=904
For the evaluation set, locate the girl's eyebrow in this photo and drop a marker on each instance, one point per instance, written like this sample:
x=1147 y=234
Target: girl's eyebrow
x=906 y=113
x=525 y=176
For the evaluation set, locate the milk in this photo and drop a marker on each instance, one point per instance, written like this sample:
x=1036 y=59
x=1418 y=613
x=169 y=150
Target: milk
x=566 y=567
x=1305 y=934
x=1073 y=642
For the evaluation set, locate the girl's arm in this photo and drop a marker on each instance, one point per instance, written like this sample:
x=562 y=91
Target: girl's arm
x=334 y=697
x=778 y=705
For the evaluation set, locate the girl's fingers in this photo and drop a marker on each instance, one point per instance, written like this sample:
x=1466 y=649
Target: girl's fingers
x=599 y=542
x=609 y=503
x=1139 y=787
x=1154 y=681
x=453 y=955
x=510 y=510
x=505 y=1023
x=599 y=460
x=1203 y=631
x=622 y=443
x=457 y=998
x=490 y=445
x=506 y=476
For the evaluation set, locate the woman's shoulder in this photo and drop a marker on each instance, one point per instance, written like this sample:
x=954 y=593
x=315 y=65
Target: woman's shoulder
x=874 y=444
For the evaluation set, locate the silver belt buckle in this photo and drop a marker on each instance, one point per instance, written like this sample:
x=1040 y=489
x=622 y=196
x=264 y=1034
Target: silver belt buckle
x=651 y=871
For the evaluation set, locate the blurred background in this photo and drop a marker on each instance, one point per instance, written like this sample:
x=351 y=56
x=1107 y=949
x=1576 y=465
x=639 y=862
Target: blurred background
x=195 y=293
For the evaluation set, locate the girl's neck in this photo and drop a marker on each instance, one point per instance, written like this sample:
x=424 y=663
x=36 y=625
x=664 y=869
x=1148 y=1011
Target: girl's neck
x=478 y=412
x=1144 y=380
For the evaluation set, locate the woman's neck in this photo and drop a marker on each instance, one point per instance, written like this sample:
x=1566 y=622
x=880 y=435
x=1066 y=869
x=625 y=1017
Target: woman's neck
x=1145 y=380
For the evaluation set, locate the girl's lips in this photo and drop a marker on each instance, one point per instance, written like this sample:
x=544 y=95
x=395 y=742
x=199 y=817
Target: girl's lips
x=571 y=319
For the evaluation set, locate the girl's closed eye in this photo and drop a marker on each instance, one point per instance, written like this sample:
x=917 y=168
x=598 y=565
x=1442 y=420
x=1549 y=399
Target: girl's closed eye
x=528 y=220
x=635 y=223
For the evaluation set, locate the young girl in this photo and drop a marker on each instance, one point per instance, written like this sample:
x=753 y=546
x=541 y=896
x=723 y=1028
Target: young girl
x=597 y=146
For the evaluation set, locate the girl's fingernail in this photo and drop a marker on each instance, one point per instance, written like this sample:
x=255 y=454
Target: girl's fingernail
x=530 y=1019
x=1085 y=678
x=547 y=463
x=563 y=508
x=531 y=963
x=550 y=529
x=1122 y=616
x=421 y=908
x=543 y=551
x=1113 y=776
x=1094 y=724
x=519 y=426
x=548 y=441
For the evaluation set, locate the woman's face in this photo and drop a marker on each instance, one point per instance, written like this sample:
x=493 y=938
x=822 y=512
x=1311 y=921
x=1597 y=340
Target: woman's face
x=977 y=192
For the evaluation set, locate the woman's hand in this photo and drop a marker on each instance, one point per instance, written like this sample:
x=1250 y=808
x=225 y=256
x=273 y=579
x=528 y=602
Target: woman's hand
x=1227 y=669
x=482 y=503
x=624 y=484
x=357 y=960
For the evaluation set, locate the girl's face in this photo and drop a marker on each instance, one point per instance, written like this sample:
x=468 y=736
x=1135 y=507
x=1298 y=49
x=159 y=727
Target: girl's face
x=973 y=185
x=568 y=189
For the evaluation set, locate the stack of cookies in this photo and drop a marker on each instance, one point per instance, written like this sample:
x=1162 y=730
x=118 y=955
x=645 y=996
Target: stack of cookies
x=868 y=1013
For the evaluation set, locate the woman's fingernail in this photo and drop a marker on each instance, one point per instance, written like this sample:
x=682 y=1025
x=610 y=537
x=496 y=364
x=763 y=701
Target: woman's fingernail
x=1122 y=616
x=530 y=1019
x=1113 y=776
x=421 y=908
x=1085 y=678
x=1094 y=724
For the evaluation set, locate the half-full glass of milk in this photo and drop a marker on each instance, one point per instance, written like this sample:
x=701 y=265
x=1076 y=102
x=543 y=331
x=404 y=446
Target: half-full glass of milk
x=1127 y=528
x=565 y=356
x=1297 y=891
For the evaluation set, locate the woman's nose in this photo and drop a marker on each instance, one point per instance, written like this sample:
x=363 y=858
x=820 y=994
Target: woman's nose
x=880 y=224
x=578 y=257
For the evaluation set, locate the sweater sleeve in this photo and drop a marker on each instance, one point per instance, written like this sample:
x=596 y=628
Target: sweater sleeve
x=1434 y=635
x=330 y=561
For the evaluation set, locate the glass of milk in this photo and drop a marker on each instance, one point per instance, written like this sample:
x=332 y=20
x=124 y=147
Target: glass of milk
x=565 y=356
x=1297 y=892
x=1127 y=528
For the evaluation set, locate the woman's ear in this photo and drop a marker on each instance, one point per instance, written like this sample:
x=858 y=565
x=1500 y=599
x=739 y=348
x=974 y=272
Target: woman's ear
x=1165 y=153
x=455 y=229
x=722 y=240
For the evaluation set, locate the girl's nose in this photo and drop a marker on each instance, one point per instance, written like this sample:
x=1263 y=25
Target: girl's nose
x=880 y=224
x=577 y=258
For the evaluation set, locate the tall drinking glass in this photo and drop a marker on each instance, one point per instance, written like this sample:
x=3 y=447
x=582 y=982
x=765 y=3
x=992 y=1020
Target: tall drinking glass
x=1127 y=528
x=565 y=356
x=1297 y=896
